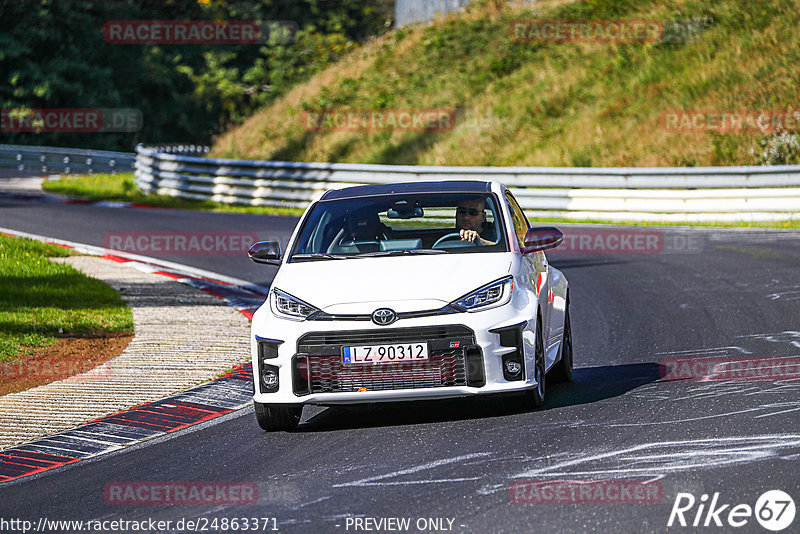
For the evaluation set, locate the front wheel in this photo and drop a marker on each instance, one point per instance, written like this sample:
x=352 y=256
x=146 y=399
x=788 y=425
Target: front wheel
x=273 y=417
x=563 y=369
x=536 y=397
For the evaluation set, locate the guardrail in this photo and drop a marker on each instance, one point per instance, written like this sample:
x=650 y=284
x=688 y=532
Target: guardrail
x=633 y=194
x=53 y=160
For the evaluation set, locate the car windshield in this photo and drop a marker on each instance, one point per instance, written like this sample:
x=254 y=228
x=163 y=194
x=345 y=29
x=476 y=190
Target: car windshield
x=400 y=225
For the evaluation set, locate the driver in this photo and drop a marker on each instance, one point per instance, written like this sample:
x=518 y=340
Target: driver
x=471 y=221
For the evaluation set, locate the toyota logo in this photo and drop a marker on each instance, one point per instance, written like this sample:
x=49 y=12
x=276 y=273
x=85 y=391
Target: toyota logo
x=384 y=316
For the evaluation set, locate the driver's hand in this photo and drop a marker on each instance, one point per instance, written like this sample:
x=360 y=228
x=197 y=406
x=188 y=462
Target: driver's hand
x=469 y=235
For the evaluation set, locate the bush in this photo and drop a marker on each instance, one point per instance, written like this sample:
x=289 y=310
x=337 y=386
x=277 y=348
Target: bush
x=780 y=148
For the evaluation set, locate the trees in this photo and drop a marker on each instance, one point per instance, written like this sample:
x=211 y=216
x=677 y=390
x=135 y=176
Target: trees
x=53 y=55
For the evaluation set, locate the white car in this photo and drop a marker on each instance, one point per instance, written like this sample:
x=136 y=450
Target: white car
x=411 y=291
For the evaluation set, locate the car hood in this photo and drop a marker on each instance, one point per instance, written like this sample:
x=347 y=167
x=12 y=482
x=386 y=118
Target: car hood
x=360 y=285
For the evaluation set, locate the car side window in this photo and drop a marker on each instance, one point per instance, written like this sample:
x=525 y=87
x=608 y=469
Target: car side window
x=518 y=219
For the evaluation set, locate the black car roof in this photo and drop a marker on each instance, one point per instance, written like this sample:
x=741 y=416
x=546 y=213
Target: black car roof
x=448 y=186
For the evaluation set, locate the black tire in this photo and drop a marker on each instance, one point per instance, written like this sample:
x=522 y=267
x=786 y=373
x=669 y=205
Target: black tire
x=562 y=372
x=536 y=396
x=273 y=417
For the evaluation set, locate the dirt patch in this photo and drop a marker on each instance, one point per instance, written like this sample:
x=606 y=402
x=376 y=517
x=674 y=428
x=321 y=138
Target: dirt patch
x=71 y=355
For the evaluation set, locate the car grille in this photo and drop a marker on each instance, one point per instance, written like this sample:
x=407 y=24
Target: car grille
x=318 y=366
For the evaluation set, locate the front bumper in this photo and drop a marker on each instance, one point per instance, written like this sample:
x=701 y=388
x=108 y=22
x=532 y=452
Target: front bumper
x=311 y=372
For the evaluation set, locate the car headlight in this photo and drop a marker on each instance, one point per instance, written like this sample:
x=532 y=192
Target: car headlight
x=491 y=295
x=286 y=306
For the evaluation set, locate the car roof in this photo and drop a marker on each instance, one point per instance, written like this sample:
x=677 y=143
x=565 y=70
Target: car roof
x=445 y=186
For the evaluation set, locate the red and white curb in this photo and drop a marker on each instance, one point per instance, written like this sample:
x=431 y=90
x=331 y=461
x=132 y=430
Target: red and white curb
x=210 y=400
x=228 y=393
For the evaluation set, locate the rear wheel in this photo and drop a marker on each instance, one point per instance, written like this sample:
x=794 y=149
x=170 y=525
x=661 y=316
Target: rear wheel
x=536 y=397
x=563 y=369
x=272 y=417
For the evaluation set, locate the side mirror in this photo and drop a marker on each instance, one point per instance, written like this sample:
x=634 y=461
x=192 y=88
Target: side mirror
x=541 y=239
x=268 y=252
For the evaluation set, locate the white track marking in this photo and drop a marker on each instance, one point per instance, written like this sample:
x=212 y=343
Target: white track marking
x=376 y=480
x=712 y=351
x=668 y=456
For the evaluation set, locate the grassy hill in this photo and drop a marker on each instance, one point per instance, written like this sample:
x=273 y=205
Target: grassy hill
x=547 y=103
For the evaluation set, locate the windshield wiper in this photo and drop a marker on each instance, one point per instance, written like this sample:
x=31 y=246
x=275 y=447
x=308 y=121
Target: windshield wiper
x=400 y=252
x=321 y=256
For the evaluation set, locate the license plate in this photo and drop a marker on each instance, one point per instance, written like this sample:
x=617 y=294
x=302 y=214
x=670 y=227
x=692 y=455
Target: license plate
x=394 y=353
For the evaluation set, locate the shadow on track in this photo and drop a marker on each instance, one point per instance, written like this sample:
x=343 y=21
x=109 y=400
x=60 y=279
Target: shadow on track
x=590 y=384
x=571 y=262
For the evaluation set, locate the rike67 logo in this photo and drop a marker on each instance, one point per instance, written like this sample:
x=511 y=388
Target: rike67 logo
x=774 y=510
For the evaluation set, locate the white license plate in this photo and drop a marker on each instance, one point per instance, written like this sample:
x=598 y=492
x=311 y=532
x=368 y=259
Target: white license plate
x=394 y=353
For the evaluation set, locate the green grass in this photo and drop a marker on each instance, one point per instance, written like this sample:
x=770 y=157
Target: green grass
x=42 y=299
x=122 y=187
x=548 y=103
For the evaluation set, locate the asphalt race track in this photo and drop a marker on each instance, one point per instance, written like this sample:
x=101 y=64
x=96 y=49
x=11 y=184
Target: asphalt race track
x=734 y=295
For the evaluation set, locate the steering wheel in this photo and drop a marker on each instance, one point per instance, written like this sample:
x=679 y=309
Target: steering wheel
x=448 y=237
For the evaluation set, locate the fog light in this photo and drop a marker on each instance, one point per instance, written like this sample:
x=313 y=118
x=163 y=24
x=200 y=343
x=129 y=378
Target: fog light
x=513 y=367
x=269 y=378
x=513 y=362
